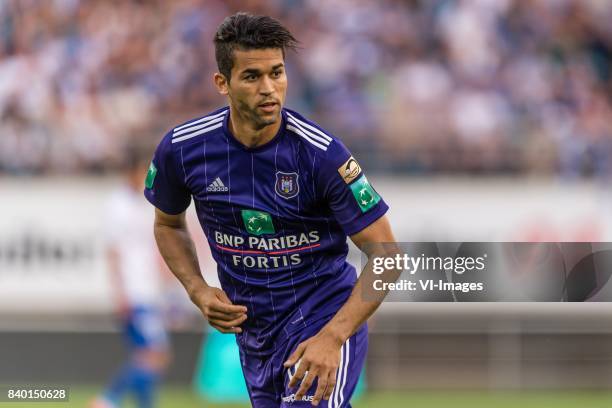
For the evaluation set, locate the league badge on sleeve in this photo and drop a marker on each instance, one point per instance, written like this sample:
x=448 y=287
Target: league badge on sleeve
x=349 y=170
x=151 y=173
x=286 y=184
x=364 y=194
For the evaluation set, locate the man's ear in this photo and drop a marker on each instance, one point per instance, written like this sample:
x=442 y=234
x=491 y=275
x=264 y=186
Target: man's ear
x=221 y=83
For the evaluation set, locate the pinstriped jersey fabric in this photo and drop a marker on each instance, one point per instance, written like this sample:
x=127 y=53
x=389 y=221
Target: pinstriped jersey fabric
x=276 y=217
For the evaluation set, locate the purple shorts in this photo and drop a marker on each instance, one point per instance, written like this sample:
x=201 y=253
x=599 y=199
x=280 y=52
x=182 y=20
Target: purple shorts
x=267 y=380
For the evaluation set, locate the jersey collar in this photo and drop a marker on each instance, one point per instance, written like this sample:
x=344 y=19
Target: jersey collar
x=272 y=142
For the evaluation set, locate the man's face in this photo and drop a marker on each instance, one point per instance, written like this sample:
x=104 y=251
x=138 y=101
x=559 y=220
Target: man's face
x=258 y=85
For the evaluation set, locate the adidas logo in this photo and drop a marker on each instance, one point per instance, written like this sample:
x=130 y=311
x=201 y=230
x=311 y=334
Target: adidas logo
x=217 y=186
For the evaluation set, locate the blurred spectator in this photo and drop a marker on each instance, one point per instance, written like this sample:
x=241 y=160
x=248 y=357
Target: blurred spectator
x=138 y=284
x=421 y=86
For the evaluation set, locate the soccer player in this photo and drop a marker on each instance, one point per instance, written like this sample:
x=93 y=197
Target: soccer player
x=137 y=285
x=276 y=196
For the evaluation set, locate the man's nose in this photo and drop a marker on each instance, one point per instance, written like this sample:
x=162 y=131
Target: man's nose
x=266 y=87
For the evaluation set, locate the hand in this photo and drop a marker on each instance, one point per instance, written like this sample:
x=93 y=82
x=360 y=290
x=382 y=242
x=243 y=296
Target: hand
x=318 y=357
x=219 y=310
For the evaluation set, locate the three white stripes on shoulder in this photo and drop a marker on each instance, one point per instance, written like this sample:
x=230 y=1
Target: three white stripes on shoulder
x=198 y=127
x=308 y=132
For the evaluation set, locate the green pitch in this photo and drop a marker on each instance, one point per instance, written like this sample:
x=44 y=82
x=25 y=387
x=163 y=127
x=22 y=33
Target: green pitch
x=181 y=397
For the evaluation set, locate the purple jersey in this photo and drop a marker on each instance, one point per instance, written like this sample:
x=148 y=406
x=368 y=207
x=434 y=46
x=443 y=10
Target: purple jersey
x=276 y=217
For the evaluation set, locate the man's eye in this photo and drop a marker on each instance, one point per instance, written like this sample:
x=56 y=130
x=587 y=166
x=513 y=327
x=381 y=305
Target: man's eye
x=250 y=77
x=276 y=74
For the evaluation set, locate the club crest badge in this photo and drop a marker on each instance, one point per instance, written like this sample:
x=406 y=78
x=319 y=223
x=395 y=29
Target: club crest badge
x=286 y=184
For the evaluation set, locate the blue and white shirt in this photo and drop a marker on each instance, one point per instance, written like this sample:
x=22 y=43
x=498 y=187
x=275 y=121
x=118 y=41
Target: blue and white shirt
x=276 y=216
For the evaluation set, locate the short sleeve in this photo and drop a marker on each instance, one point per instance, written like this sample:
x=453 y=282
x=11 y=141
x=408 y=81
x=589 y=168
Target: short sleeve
x=353 y=200
x=164 y=186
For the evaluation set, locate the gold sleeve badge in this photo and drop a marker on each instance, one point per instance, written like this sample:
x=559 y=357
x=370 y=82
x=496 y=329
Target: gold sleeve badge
x=349 y=170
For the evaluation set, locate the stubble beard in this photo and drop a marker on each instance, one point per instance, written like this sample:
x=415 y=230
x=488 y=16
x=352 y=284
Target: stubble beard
x=259 y=121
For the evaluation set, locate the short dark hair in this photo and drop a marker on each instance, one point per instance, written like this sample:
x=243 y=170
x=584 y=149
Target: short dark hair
x=245 y=31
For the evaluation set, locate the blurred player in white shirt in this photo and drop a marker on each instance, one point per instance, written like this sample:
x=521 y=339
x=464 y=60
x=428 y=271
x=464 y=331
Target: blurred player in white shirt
x=137 y=283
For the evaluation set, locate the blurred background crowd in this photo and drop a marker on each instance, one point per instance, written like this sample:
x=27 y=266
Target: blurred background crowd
x=412 y=86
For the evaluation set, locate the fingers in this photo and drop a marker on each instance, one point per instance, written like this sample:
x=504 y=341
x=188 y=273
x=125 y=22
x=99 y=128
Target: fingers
x=217 y=308
x=225 y=302
x=322 y=387
x=213 y=314
x=227 y=324
x=213 y=299
x=299 y=374
x=217 y=305
x=331 y=383
x=306 y=384
x=295 y=356
x=234 y=330
x=326 y=381
x=223 y=315
x=312 y=362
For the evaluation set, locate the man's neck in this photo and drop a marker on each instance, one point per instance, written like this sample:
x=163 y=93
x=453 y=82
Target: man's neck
x=245 y=132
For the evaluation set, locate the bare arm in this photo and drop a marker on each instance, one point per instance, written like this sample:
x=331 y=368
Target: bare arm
x=177 y=249
x=320 y=354
x=357 y=310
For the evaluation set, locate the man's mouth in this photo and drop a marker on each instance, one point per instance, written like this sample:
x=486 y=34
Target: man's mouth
x=267 y=106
